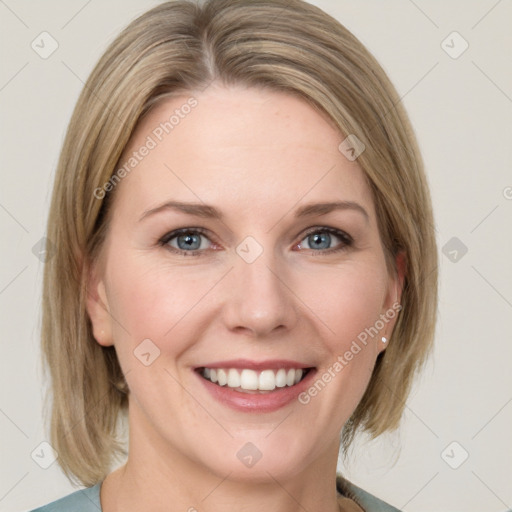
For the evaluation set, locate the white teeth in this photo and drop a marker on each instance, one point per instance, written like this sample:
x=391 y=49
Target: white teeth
x=281 y=378
x=222 y=378
x=233 y=378
x=266 y=380
x=249 y=379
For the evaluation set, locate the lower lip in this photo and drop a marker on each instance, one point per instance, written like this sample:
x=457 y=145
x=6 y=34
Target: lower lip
x=257 y=402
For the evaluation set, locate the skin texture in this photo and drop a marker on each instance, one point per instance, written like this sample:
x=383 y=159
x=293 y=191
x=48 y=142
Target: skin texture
x=257 y=156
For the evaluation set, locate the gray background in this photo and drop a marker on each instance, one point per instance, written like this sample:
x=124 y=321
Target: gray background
x=461 y=109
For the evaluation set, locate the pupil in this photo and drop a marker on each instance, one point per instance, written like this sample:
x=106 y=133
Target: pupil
x=321 y=241
x=189 y=242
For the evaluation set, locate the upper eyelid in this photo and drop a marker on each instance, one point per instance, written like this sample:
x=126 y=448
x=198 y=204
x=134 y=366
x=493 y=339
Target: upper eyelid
x=328 y=229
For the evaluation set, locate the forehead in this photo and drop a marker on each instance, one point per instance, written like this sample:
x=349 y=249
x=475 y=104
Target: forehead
x=245 y=144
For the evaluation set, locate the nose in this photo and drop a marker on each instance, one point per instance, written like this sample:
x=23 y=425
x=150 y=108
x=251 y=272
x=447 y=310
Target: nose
x=259 y=299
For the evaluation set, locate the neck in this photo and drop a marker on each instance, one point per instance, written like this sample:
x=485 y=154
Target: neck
x=159 y=477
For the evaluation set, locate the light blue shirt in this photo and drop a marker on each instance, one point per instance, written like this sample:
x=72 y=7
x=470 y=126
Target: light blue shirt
x=88 y=500
x=85 y=500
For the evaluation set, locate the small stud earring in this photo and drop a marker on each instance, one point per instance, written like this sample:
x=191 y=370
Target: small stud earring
x=384 y=339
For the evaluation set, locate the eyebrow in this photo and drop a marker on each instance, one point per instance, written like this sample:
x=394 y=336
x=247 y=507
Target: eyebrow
x=210 y=212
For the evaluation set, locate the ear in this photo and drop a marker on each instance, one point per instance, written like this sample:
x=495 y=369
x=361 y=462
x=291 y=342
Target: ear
x=98 y=308
x=392 y=305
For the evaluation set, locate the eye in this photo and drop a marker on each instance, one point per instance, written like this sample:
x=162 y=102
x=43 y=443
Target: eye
x=186 y=241
x=193 y=241
x=321 y=240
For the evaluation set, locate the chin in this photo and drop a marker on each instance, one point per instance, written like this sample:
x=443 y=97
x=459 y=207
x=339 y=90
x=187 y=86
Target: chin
x=258 y=461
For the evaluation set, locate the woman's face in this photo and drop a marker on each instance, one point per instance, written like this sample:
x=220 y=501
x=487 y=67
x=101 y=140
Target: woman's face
x=242 y=240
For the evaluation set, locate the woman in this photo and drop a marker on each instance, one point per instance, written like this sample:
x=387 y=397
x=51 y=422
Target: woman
x=245 y=272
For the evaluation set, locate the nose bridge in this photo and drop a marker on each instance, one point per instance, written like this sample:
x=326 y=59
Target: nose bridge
x=259 y=299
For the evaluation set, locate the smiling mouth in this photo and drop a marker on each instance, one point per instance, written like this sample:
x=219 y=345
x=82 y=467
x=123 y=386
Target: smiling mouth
x=251 y=381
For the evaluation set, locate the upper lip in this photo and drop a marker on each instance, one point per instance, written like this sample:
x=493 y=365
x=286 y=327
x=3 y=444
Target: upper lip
x=269 y=364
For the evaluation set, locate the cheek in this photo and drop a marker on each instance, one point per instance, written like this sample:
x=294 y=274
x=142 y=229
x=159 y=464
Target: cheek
x=342 y=380
x=149 y=300
x=348 y=300
x=349 y=305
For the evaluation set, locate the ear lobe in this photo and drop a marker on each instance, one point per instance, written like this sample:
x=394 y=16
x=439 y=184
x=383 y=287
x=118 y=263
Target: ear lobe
x=98 y=309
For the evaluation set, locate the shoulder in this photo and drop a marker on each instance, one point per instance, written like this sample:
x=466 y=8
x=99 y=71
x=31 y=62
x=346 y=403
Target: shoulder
x=367 y=501
x=88 y=500
x=85 y=500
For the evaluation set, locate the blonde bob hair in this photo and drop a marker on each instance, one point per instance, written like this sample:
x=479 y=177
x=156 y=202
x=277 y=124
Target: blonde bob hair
x=180 y=47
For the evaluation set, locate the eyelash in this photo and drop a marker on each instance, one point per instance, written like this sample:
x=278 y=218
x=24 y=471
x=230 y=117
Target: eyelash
x=346 y=240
